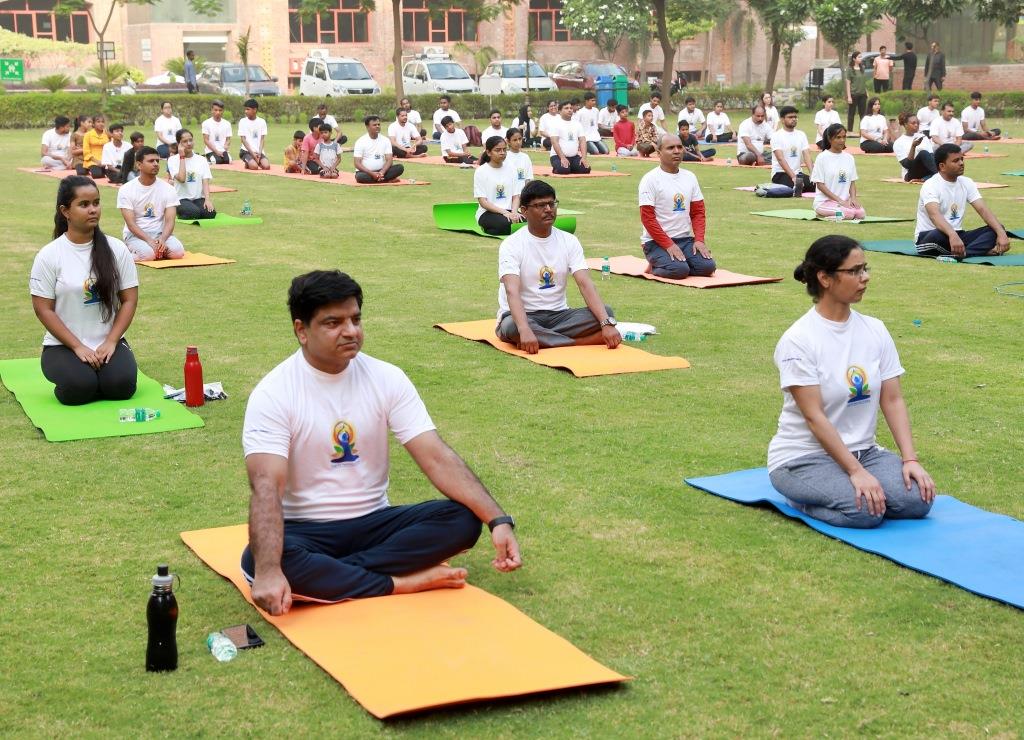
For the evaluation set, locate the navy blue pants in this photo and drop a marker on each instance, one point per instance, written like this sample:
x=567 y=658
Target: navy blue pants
x=355 y=558
x=663 y=265
x=977 y=242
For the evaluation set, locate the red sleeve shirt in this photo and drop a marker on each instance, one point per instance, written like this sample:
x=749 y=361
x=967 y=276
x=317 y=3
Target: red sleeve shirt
x=624 y=134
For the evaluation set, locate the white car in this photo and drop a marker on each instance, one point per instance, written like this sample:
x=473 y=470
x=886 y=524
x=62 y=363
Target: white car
x=436 y=75
x=326 y=76
x=512 y=73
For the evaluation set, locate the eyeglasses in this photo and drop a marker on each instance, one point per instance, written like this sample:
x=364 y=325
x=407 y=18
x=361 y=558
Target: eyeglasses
x=858 y=271
x=552 y=204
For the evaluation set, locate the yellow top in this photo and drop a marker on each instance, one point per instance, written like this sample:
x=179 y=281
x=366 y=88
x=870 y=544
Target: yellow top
x=291 y=155
x=92 y=147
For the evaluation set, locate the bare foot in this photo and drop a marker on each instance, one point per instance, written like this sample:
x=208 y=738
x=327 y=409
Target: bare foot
x=440 y=576
x=649 y=269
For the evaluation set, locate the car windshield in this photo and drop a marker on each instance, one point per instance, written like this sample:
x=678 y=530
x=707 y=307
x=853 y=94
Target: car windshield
x=347 y=71
x=518 y=69
x=447 y=71
x=604 y=68
x=237 y=74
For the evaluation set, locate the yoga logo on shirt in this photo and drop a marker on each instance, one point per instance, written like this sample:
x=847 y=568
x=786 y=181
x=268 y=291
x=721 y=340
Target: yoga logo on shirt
x=843 y=177
x=857 y=379
x=344 y=443
x=190 y=177
x=954 y=212
x=792 y=151
x=521 y=173
x=547 y=278
x=499 y=192
x=679 y=202
x=89 y=294
x=149 y=211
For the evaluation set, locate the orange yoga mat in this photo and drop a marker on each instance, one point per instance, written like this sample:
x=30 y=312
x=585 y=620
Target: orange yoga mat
x=981 y=185
x=408 y=653
x=637 y=267
x=344 y=177
x=583 y=362
x=191 y=259
x=61 y=174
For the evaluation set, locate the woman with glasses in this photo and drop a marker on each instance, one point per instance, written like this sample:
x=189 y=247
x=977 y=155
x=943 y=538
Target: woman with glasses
x=837 y=367
x=496 y=188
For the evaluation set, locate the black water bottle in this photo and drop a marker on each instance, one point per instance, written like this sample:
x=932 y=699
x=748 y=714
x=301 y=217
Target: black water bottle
x=162 y=615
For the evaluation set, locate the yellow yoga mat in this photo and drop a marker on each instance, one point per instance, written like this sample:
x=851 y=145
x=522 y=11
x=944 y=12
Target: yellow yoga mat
x=191 y=259
x=637 y=267
x=411 y=652
x=583 y=362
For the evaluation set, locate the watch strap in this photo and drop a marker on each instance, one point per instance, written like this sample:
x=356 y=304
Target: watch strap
x=499 y=520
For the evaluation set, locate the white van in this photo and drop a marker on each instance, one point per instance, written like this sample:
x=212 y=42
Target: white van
x=326 y=76
x=435 y=71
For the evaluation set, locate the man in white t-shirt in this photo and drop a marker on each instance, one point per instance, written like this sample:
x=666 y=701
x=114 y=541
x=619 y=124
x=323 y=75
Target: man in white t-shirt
x=190 y=175
x=323 y=115
x=373 y=157
x=947 y=129
x=444 y=109
x=405 y=137
x=217 y=135
x=719 y=128
x=672 y=217
x=973 y=119
x=315 y=439
x=751 y=138
x=791 y=154
x=549 y=119
x=941 y=208
x=494 y=127
x=694 y=116
x=453 y=144
x=534 y=265
x=149 y=207
x=55 y=147
x=568 y=150
x=659 y=114
x=415 y=119
x=928 y=113
x=588 y=119
x=252 y=133
x=607 y=117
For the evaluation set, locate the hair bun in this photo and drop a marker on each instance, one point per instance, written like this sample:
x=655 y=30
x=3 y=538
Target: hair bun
x=800 y=273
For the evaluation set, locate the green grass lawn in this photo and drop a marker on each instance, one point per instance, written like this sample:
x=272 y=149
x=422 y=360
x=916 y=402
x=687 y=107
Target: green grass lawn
x=734 y=620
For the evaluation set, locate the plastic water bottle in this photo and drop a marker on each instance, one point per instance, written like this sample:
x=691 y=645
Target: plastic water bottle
x=247 y=207
x=162 y=616
x=194 y=395
x=606 y=269
x=728 y=161
x=615 y=167
x=137 y=414
x=917 y=323
x=221 y=647
x=633 y=336
x=945 y=258
x=839 y=216
x=986 y=149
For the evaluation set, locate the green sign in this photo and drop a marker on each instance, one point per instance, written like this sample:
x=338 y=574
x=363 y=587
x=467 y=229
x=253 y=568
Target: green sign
x=12 y=70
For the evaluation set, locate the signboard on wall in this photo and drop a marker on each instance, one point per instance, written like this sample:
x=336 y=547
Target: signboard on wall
x=12 y=70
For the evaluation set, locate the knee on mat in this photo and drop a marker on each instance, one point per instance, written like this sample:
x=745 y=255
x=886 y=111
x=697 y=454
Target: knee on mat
x=120 y=389
x=863 y=519
x=79 y=391
x=675 y=271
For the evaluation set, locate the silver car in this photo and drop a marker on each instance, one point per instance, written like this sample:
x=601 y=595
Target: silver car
x=512 y=73
x=226 y=78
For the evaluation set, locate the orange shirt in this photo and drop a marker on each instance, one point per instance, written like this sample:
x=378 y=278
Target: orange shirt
x=92 y=147
x=883 y=67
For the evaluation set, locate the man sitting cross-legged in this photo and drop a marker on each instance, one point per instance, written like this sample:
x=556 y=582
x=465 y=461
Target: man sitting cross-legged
x=405 y=137
x=754 y=133
x=941 y=208
x=315 y=438
x=372 y=155
x=453 y=144
x=791 y=160
x=534 y=265
x=568 y=155
x=673 y=218
x=149 y=207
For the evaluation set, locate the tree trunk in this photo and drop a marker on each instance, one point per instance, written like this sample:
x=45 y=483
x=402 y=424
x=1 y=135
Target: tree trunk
x=749 y=29
x=668 y=50
x=773 y=66
x=396 y=54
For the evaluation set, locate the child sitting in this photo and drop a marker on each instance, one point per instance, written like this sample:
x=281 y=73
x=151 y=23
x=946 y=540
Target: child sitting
x=452 y=142
x=293 y=153
x=647 y=135
x=328 y=153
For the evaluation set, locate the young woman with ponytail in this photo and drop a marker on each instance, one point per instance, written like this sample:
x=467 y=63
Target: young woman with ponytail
x=837 y=368
x=84 y=288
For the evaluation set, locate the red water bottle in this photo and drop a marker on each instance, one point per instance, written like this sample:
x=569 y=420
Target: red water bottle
x=193 y=378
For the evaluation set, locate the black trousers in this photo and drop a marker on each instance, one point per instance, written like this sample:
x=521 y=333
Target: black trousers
x=806 y=186
x=860 y=105
x=921 y=167
x=77 y=383
x=224 y=158
x=112 y=173
x=882 y=86
x=194 y=208
x=575 y=166
x=394 y=172
x=402 y=154
x=875 y=147
x=495 y=224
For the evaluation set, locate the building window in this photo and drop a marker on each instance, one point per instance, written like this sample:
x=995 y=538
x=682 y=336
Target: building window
x=340 y=23
x=546 y=21
x=418 y=25
x=36 y=18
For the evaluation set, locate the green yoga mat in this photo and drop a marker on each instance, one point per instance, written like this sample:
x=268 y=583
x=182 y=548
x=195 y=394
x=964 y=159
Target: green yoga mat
x=462 y=217
x=222 y=219
x=24 y=378
x=906 y=246
x=1018 y=173
x=802 y=214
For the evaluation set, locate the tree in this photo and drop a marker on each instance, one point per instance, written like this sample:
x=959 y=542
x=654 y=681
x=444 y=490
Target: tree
x=481 y=57
x=176 y=65
x=242 y=44
x=605 y=25
x=916 y=17
x=780 y=19
x=674 y=21
x=843 y=22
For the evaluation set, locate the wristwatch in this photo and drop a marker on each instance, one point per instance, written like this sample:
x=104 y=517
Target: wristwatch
x=499 y=520
x=610 y=321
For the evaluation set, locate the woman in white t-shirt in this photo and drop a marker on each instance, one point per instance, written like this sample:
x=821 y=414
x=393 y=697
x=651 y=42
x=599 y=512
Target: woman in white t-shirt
x=190 y=175
x=835 y=174
x=874 y=130
x=496 y=189
x=84 y=288
x=771 y=113
x=165 y=127
x=914 y=150
x=517 y=159
x=825 y=118
x=837 y=368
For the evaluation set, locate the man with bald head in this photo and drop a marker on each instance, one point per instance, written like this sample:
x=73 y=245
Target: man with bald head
x=754 y=133
x=673 y=218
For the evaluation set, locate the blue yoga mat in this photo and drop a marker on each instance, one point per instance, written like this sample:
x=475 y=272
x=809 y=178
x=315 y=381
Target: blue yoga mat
x=969 y=547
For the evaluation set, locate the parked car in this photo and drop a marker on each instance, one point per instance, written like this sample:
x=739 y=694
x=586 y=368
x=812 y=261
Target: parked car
x=580 y=74
x=512 y=73
x=435 y=73
x=226 y=78
x=324 y=75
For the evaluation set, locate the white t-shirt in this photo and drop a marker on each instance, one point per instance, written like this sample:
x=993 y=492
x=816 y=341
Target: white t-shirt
x=57 y=145
x=148 y=203
x=113 y=155
x=759 y=133
x=971 y=118
x=951 y=197
x=659 y=114
x=607 y=118
x=825 y=118
x=568 y=134
x=373 y=151
x=439 y=114
x=404 y=135
x=671 y=196
x=330 y=121
x=546 y=122
x=946 y=131
x=197 y=169
x=490 y=131
x=414 y=118
x=218 y=132
x=792 y=144
x=588 y=120
x=876 y=125
x=718 y=123
x=253 y=132
x=695 y=119
x=926 y=115
x=771 y=117
x=848 y=361
x=836 y=171
x=901 y=148
x=521 y=163
x=453 y=142
x=328 y=153
x=499 y=185
x=62 y=271
x=333 y=430
x=167 y=127
x=543 y=267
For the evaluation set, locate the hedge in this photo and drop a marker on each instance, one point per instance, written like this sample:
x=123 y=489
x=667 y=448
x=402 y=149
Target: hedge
x=38 y=109
x=1002 y=104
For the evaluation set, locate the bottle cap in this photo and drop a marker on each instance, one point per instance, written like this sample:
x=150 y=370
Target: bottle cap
x=191 y=350
x=163 y=576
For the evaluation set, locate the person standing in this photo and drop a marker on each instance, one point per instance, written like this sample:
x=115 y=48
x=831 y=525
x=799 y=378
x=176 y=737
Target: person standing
x=882 y=71
x=856 y=89
x=909 y=59
x=191 y=82
x=934 y=67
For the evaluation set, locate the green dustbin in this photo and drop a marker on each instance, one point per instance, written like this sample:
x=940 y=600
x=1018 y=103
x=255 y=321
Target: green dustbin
x=621 y=89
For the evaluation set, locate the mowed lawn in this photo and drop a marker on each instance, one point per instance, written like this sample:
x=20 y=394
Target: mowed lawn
x=732 y=620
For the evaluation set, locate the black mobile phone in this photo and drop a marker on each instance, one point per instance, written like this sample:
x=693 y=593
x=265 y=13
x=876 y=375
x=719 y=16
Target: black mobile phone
x=244 y=636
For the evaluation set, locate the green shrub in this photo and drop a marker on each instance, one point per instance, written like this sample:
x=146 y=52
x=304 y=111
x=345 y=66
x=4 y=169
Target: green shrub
x=55 y=83
x=1002 y=104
